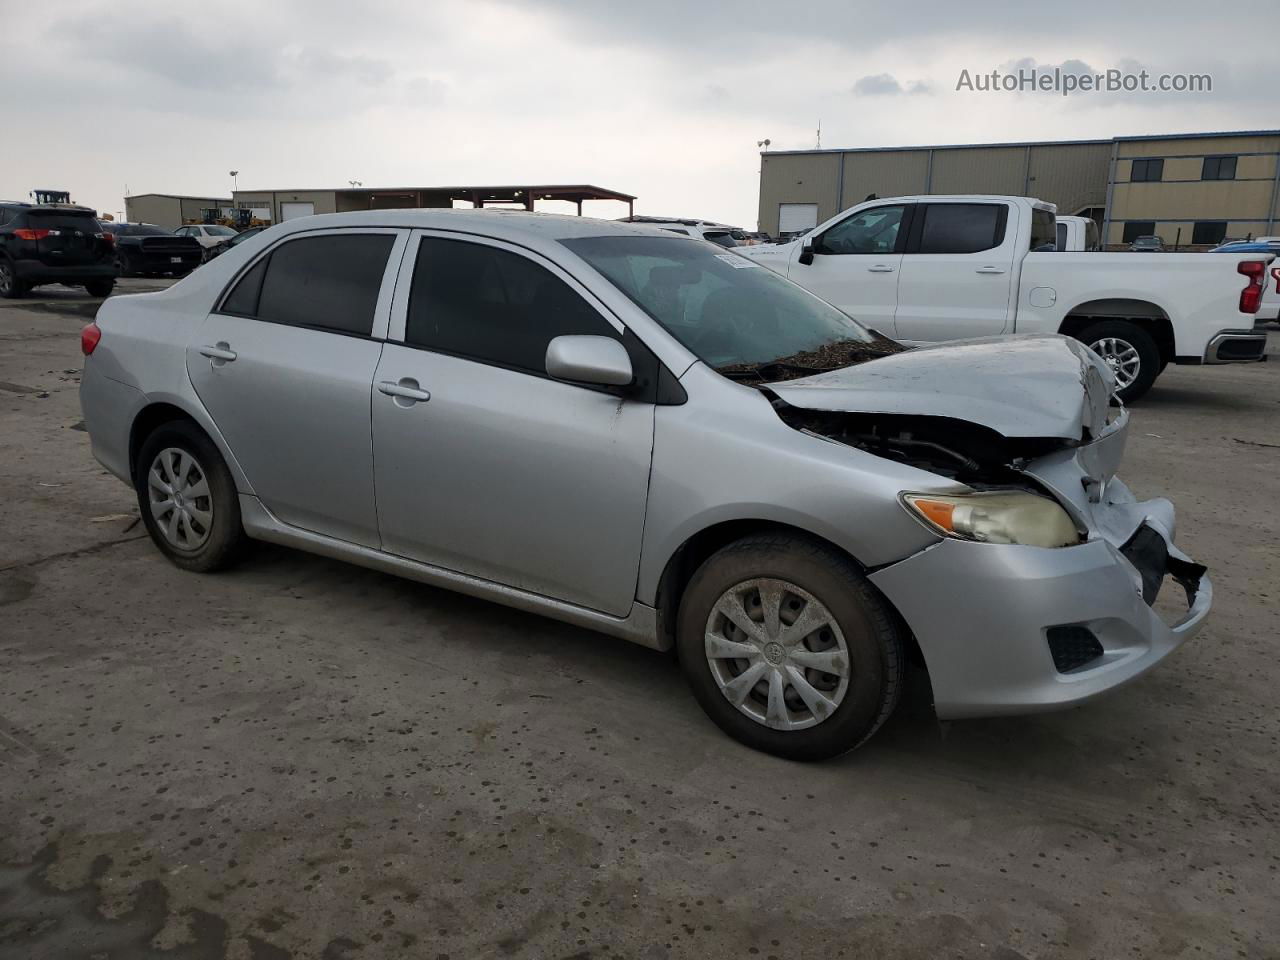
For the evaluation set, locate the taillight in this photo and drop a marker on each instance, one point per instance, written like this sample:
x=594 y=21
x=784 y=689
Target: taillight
x=27 y=233
x=1275 y=272
x=89 y=338
x=1251 y=296
x=110 y=238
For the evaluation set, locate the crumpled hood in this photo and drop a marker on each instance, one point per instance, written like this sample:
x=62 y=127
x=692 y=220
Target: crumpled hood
x=1034 y=385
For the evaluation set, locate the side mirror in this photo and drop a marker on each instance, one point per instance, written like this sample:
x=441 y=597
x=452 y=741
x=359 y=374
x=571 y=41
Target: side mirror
x=601 y=361
x=806 y=253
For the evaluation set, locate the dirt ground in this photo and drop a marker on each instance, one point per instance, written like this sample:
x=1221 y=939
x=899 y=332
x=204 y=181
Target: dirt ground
x=301 y=759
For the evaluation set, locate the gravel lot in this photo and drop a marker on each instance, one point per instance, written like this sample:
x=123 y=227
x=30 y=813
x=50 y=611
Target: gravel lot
x=304 y=759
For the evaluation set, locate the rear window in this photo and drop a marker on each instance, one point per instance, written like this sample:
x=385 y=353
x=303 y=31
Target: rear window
x=143 y=231
x=326 y=283
x=84 y=222
x=1044 y=230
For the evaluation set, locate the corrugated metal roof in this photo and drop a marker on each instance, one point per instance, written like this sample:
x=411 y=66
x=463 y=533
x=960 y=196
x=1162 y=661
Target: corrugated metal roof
x=1026 y=143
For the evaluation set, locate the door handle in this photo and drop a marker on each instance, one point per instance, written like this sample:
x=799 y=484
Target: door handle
x=880 y=268
x=222 y=351
x=406 y=389
x=990 y=270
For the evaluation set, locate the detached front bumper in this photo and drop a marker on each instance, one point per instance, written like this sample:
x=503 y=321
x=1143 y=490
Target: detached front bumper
x=983 y=616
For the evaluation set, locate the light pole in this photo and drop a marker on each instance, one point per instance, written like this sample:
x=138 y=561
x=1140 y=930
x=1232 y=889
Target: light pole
x=234 y=187
x=356 y=183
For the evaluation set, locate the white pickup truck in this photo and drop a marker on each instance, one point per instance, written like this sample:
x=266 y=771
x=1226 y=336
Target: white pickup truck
x=1078 y=233
x=930 y=268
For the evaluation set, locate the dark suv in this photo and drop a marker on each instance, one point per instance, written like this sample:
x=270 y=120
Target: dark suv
x=54 y=243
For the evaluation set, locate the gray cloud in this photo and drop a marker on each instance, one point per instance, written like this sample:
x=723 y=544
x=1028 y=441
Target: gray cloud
x=886 y=84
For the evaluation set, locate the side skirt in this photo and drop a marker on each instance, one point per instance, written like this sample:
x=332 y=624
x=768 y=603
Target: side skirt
x=639 y=626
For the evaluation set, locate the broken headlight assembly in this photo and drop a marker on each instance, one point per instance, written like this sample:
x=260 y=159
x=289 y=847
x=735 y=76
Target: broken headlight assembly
x=1000 y=517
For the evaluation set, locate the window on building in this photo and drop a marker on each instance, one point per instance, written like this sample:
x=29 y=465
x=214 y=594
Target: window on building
x=1133 y=229
x=962 y=227
x=1147 y=171
x=1209 y=232
x=328 y=282
x=1218 y=168
x=479 y=302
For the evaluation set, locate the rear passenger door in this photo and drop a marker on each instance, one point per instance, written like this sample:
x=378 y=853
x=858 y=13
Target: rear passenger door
x=486 y=466
x=956 y=273
x=285 y=364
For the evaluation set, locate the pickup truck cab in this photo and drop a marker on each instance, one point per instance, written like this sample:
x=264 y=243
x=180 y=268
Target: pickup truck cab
x=926 y=269
x=1078 y=233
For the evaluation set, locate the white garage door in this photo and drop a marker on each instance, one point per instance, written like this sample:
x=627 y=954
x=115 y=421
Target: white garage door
x=289 y=211
x=797 y=216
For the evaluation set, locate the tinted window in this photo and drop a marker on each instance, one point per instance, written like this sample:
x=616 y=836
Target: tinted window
x=141 y=230
x=244 y=298
x=1044 y=230
x=62 y=221
x=1209 y=231
x=491 y=305
x=1218 y=168
x=1062 y=236
x=871 y=231
x=329 y=282
x=962 y=227
x=1133 y=229
x=1146 y=171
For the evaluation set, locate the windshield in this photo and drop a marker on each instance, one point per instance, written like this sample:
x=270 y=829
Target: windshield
x=144 y=230
x=725 y=309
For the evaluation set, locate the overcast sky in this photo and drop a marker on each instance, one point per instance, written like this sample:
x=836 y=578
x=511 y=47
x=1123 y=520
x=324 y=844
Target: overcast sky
x=665 y=99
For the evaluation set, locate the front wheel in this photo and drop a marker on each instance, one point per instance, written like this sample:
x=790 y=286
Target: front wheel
x=188 y=498
x=1129 y=351
x=788 y=648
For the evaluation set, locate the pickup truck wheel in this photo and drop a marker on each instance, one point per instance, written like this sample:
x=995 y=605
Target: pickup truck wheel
x=188 y=498
x=100 y=288
x=788 y=648
x=1129 y=351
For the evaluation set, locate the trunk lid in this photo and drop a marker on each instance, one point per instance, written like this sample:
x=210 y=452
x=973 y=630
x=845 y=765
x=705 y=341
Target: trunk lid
x=1032 y=386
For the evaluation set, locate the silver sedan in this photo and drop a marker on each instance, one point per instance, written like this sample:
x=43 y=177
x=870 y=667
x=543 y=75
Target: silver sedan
x=652 y=437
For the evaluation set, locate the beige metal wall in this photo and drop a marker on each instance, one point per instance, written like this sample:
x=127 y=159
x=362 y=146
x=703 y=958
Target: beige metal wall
x=325 y=201
x=1250 y=203
x=166 y=210
x=1071 y=175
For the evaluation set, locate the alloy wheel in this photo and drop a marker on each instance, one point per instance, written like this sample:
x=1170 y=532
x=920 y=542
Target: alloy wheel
x=180 y=500
x=1121 y=356
x=777 y=654
x=6 y=280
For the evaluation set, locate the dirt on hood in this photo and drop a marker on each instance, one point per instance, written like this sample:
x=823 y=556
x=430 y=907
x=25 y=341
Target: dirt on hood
x=830 y=356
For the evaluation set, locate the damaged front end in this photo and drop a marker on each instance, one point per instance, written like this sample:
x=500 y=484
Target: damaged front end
x=1010 y=621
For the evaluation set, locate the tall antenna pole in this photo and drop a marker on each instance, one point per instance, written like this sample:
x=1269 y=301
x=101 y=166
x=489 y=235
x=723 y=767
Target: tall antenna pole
x=819 y=146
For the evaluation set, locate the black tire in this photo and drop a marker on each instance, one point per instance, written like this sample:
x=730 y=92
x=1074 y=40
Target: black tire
x=123 y=264
x=11 y=288
x=225 y=535
x=871 y=633
x=1149 y=363
x=100 y=288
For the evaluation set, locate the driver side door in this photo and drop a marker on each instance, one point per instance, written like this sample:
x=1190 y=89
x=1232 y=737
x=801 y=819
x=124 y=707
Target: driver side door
x=856 y=262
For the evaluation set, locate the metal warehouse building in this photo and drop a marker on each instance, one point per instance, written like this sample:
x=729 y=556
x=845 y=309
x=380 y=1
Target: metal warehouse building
x=1189 y=189
x=167 y=209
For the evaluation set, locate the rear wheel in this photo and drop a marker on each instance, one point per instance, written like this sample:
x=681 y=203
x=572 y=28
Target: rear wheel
x=1129 y=351
x=100 y=288
x=788 y=648
x=10 y=286
x=188 y=498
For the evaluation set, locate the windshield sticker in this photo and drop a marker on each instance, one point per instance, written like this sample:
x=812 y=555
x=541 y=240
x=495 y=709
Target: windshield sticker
x=735 y=261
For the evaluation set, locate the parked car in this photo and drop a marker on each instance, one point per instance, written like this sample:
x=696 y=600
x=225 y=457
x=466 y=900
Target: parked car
x=1270 y=309
x=931 y=268
x=1148 y=244
x=206 y=234
x=54 y=243
x=222 y=247
x=144 y=249
x=1078 y=233
x=719 y=233
x=636 y=433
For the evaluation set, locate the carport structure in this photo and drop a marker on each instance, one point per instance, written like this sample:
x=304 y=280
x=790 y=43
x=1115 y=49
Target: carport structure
x=278 y=205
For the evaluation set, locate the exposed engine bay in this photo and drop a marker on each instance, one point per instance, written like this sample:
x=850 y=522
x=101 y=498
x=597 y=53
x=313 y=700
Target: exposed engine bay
x=952 y=448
